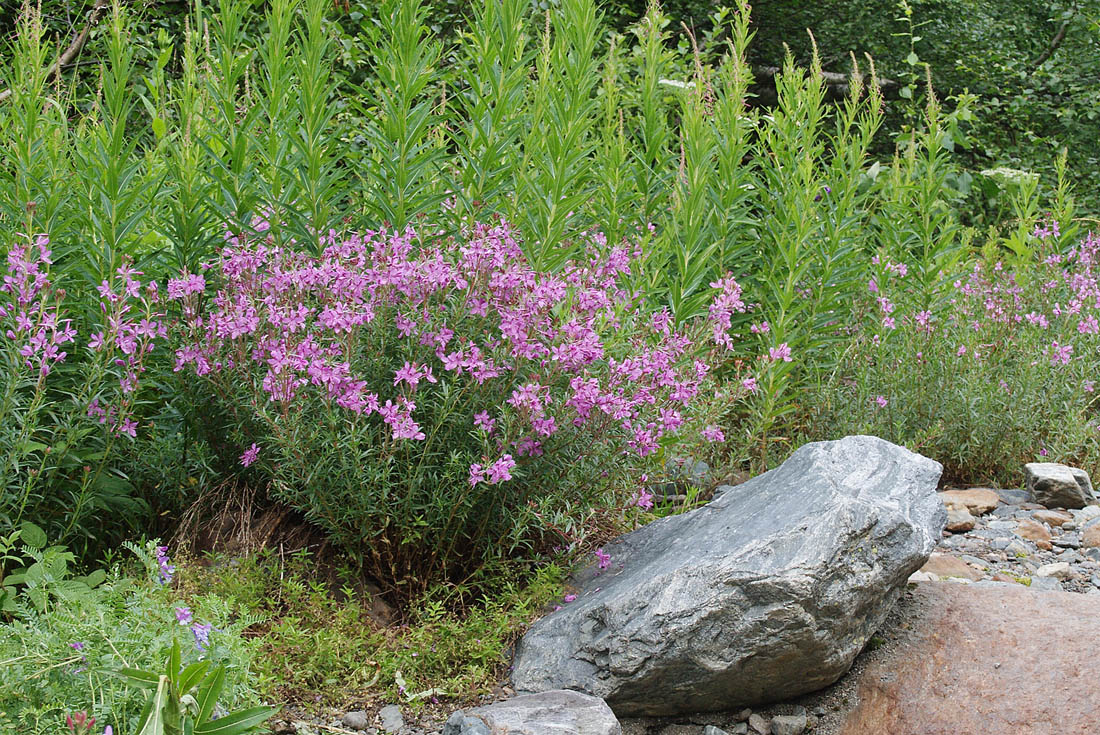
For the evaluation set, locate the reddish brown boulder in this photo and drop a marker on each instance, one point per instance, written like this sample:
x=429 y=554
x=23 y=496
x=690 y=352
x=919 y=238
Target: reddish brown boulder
x=997 y=660
x=1091 y=536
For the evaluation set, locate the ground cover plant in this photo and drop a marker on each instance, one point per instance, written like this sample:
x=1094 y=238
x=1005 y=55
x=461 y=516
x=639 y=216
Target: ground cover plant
x=458 y=311
x=70 y=643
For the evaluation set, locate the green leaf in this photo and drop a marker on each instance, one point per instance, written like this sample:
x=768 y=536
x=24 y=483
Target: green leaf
x=192 y=675
x=159 y=128
x=33 y=535
x=94 y=579
x=209 y=692
x=174 y=663
x=154 y=722
x=139 y=678
x=236 y=723
x=912 y=59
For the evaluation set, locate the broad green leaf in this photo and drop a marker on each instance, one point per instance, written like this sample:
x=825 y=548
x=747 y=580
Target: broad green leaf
x=158 y=702
x=139 y=678
x=33 y=535
x=209 y=692
x=236 y=723
x=192 y=675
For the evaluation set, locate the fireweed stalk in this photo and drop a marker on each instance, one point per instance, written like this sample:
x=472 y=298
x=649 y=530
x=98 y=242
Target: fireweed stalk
x=57 y=419
x=432 y=402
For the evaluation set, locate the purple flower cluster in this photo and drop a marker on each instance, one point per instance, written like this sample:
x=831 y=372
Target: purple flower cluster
x=165 y=569
x=559 y=351
x=35 y=328
x=34 y=307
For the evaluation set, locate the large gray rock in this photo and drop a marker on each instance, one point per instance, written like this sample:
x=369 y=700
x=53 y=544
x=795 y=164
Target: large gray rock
x=1058 y=486
x=548 y=713
x=767 y=592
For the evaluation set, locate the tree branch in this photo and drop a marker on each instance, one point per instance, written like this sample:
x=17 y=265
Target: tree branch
x=94 y=16
x=831 y=78
x=1055 y=42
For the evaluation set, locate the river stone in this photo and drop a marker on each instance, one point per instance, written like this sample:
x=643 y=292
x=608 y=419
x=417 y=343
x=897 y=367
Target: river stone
x=995 y=660
x=1058 y=486
x=554 y=712
x=977 y=501
x=765 y=593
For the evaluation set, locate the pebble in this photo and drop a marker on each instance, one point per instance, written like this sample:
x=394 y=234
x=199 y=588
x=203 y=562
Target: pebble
x=1048 y=584
x=391 y=718
x=759 y=724
x=789 y=724
x=357 y=720
x=1067 y=541
x=1013 y=497
x=1052 y=517
x=1059 y=570
x=712 y=730
x=959 y=520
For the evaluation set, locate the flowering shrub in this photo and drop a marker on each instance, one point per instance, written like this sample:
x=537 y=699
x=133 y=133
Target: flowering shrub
x=61 y=418
x=984 y=372
x=432 y=403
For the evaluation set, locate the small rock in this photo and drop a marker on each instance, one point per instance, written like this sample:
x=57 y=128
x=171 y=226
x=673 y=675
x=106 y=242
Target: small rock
x=1047 y=584
x=556 y=711
x=744 y=714
x=1067 y=541
x=977 y=501
x=999 y=543
x=1002 y=577
x=1017 y=548
x=1058 y=486
x=759 y=724
x=959 y=520
x=819 y=711
x=975 y=561
x=943 y=565
x=1058 y=570
x=922 y=577
x=1004 y=511
x=1013 y=496
x=712 y=730
x=741 y=728
x=1090 y=537
x=1052 y=517
x=391 y=718
x=357 y=720
x=1036 y=532
x=789 y=724
x=1088 y=513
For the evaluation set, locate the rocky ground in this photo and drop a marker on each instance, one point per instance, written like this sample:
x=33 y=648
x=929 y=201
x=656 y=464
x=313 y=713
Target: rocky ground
x=994 y=537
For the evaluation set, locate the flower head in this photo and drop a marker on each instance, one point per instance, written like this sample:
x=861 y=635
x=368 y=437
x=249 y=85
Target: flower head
x=250 y=455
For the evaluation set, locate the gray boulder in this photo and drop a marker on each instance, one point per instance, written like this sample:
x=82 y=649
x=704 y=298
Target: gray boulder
x=765 y=593
x=1058 y=486
x=549 y=713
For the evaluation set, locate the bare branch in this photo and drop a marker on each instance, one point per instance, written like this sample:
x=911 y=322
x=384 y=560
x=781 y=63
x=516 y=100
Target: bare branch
x=94 y=16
